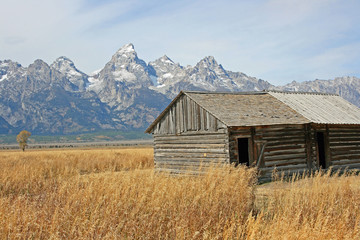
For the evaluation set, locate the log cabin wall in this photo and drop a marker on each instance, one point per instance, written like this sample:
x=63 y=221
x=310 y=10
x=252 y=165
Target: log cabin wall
x=287 y=148
x=344 y=143
x=188 y=137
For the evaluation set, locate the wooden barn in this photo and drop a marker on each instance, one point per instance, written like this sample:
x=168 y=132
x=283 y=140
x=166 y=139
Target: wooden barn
x=292 y=131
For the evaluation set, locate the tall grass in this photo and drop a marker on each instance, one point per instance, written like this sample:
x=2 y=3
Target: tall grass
x=115 y=194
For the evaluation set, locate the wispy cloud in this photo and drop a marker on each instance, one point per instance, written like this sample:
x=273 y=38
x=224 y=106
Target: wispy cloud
x=276 y=40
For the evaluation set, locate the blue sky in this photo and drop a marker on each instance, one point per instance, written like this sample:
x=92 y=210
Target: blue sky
x=276 y=40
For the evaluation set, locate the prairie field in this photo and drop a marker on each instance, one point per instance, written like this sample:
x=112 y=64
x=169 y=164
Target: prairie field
x=116 y=194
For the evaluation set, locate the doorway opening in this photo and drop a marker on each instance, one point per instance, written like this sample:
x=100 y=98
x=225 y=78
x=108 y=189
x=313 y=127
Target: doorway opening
x=321 y=149
x=243 y=151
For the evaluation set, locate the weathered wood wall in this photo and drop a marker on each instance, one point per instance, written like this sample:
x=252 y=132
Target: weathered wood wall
x=287 y=148
x=344 y=147
x=187 y=116
x=188 y=137
x=190 y=151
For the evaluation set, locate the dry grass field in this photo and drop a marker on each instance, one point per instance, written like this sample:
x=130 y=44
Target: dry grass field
x=115 y=194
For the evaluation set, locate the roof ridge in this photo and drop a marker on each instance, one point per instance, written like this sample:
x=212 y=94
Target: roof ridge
x=301 y=92
x=233 y=93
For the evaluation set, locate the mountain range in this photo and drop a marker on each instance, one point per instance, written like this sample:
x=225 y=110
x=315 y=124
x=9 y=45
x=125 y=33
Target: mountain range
x=127 y=94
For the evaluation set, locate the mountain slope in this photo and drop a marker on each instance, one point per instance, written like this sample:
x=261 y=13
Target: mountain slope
x=346 y=87
x=126 y=94
x=43 y=100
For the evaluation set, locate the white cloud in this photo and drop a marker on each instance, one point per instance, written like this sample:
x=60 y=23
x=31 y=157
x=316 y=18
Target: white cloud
x=277 y=40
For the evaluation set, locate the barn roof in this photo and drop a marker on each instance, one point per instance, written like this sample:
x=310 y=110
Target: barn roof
x=321 y=108
x=247 y=109
x=272 y=108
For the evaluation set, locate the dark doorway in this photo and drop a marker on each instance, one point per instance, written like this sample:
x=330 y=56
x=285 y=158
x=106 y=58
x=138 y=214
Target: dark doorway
x=321 y=149
x=243 y=151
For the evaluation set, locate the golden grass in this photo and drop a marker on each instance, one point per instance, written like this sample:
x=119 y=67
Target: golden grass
x=115 y=194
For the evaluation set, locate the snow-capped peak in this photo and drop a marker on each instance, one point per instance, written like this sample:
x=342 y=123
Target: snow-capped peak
x=66 y=66
x=209 y=61
x=166 y=59
x=63 y=59
x=127 y=48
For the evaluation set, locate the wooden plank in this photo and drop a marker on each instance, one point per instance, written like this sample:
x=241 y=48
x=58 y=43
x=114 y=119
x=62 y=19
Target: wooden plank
x=284 y=133
x=192 y=150
x=345 y=152
x=348 y=166
x=344 y=135
x=188 y=162
x=183 y=146
x=190 y=155
x=285 y=152
x=181 y=105
x=346 y=156
x=192 y=136
x=284 y=157
x=345 y=139
x=284 y=147
x=285 y=142
x=345 y=161
x=345 y=148
x=192 y=141
x=292 y=167
x=285 y=162
x=285 y=137
x=278 y=127
x=344 y=143
x=348 y=129
x=166 y=159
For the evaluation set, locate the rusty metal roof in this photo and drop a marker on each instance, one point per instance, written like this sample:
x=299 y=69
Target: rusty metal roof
x=320 y=108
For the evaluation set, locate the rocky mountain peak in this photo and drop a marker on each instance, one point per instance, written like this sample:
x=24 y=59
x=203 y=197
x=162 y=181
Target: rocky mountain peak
x=39 y=67
x=124 y=57
x=126 y=51
x=61 y=61
x=208 y=62
x=9 y=68
x=67 y=67
x=165 y=59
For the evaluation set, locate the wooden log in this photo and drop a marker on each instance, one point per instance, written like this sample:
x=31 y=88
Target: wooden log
x=189 y=163
x=191 y=150
x=347 y=166
x=185 y=146
x=345 y=148
x=284 y=152
x=287 y=137
x=191 y=137
x=355 y=151
x=280 y=142
x=192 y=141
x=344 y=143
x=285 y=162
x=190 y=154
x=284 y=147
x=283 y=134
x=345 y=161
x=199 y=159
x=284 y=157
x=346 y=156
